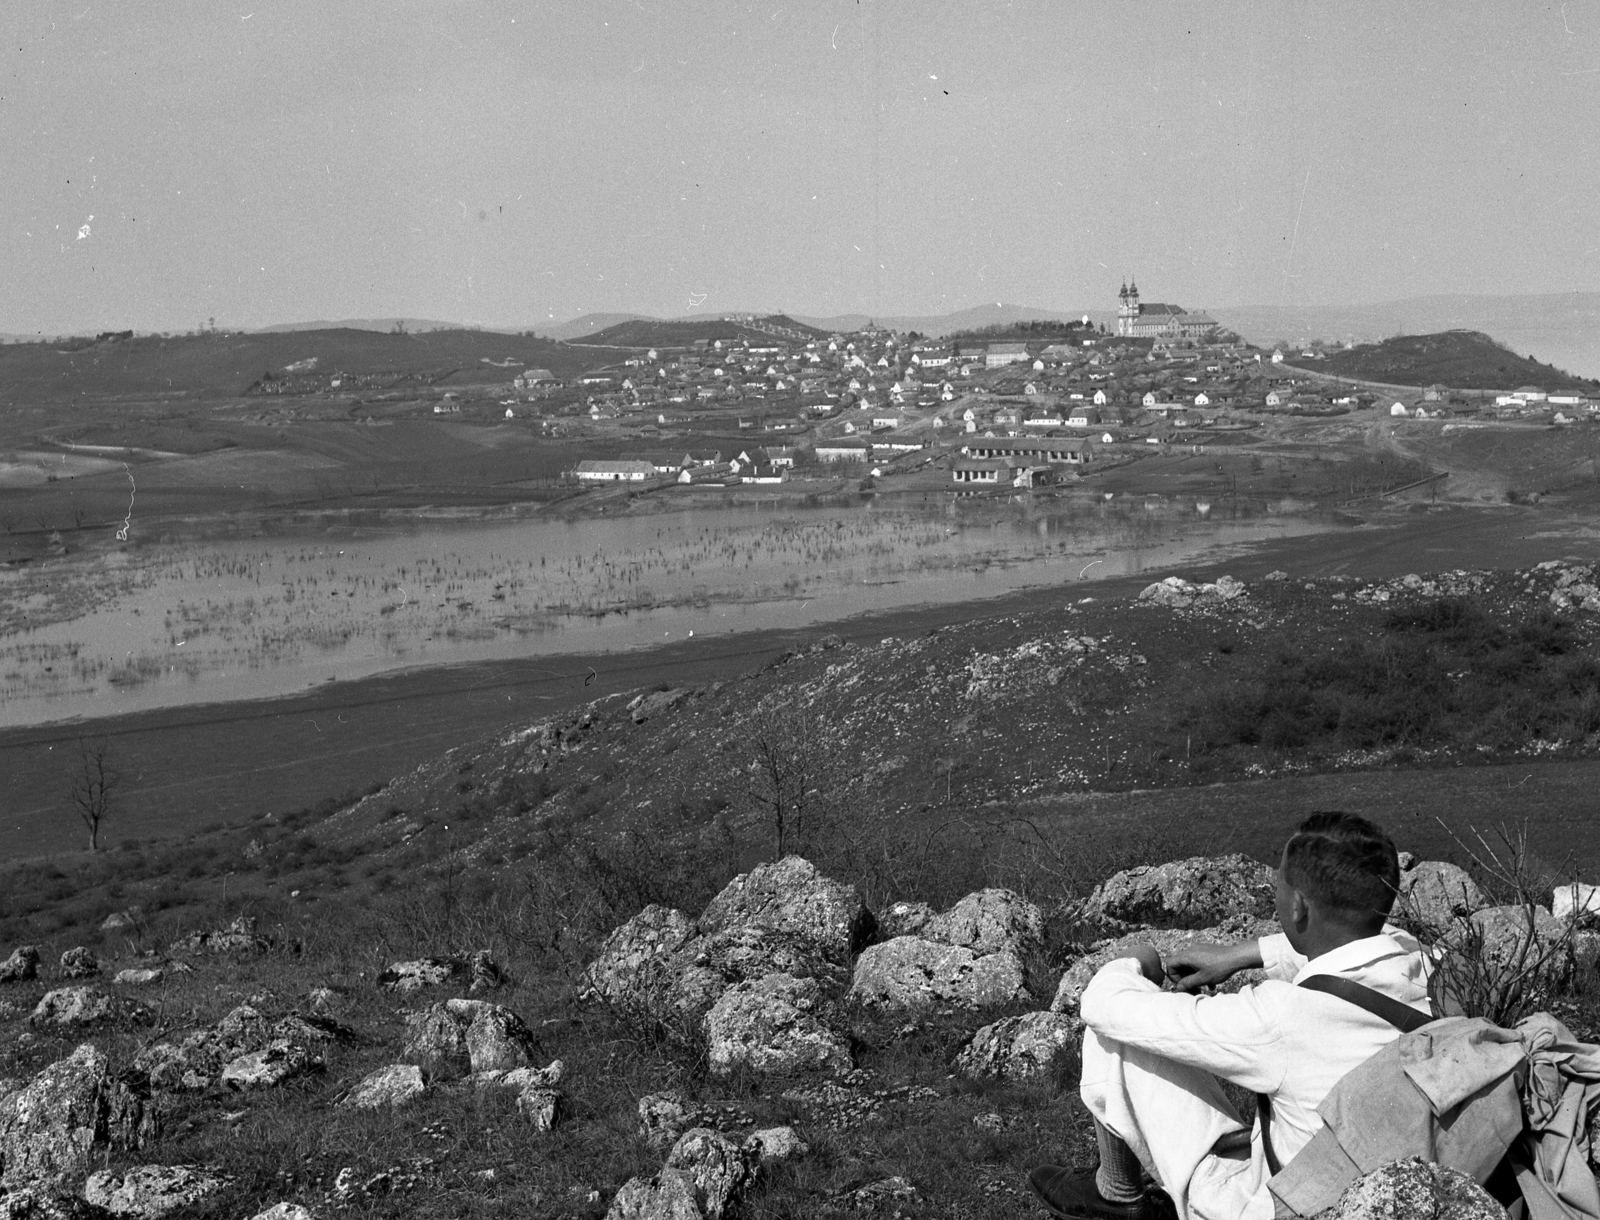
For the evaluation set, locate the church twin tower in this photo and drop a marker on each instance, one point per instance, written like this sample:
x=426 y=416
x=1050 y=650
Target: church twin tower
x=1152 y=321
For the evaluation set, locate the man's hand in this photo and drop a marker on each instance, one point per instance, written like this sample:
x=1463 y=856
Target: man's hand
x=1204 y=964
x=1149 y=961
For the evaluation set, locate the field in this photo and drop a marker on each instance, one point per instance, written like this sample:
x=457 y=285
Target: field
x=1452 y=357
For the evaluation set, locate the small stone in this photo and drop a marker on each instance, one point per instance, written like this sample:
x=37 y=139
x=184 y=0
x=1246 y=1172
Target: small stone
x=278 y=1062
x=74 y=1007
x=79 y=963
x=663 y=1117
x=387 y=1088
x=541 y=1107
x=138 y=977
x=486 y=976
x=424 y=972
x=716 y=1166
x=772 y=1144
x=283 y=1211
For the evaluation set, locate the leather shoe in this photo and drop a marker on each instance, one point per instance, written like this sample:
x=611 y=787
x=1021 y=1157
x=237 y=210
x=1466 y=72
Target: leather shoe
x=1071 y=1193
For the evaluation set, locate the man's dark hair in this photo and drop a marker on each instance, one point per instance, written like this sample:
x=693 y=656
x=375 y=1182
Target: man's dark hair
x=1345 y=864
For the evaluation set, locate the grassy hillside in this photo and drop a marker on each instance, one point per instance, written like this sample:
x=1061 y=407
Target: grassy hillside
x=226 y=365
x=1038 y=752
x=1461 y=359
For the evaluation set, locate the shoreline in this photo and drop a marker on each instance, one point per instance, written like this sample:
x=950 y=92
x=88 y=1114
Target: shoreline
x=225 y=763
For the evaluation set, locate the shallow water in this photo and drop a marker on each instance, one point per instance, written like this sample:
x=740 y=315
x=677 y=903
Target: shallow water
x=159 y=626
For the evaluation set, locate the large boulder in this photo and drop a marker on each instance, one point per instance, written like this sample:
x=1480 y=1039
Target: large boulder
x=716 y=1167
x=776 y=1023
x=240 y=936
x=1414 y=1189
x=74 y=1108
x=147 y=1192
x=987 y=922
x=669 y=1195
x=1019 y=1048
x=34 y=1203
x=638 y=961
x=792 y=896
x=912 y=975
x=22 y=966
x=462 y=1036
x=387 y=1088
x=245 y=1046
x=1506 y=940
x=1166 y=941
x=75 y=1007
x=1434 y=895
x=1195 y=893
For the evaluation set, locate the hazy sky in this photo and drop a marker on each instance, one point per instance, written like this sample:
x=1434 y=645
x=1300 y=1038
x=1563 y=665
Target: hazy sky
x=258 y=161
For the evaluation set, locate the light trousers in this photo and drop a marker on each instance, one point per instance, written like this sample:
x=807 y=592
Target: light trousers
x=1180 y=1124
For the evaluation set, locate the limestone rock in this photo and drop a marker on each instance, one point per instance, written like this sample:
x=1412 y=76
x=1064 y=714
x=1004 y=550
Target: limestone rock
x=1195 y=893
x=79 y=963
x=793 y=896
x=546 y=1077
x=151 y=1191
x=1577 y=902
x=541 y=1107
x=773 y=1144
x=462 y=1036
x=1505 y=936
x=22 y=966
x=670 y=1195
x=139 y=976
x=32 y=1203
x=240 y=936
x=117 y=921
x=283 y=1211
x=904 y=919
x=424 y=972
x=387 y=1088
x=198 y=1060
x=1181 y=594
x=987 y=922
x=909 y=974
x=75 y=1007
x=1018 y=1048
x=776 y=1023
x=636 y=962
x=1434 y=895
x=656 y=702
x=485 y=974
x=50 y=1127
x=1166 y=940
x=280 y=1061
x=1414 y=1189
x=663 y=1117
x=716 y=1167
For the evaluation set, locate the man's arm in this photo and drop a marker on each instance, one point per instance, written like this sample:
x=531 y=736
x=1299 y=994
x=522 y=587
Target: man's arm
x=1205 y=964
x=1233 y=1036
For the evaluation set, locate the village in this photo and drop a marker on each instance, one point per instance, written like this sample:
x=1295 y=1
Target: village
x=1013 y=408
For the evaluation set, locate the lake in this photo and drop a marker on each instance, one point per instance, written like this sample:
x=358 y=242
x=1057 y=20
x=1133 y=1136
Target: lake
x=150 y=624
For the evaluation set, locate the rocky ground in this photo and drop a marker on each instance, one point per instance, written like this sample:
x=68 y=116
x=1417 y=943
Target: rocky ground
x=809 y=941
x=784 y=1050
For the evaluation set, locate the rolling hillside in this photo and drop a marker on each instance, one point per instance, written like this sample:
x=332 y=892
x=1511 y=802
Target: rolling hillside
x=654 y=332
x=1463 y=359
x=225 y=365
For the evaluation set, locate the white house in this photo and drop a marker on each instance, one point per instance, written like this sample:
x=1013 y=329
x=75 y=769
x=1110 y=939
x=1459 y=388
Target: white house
x=1398 y=410
x=613 y=472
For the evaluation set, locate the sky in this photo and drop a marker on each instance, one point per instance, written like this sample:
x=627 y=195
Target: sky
x=168 y=162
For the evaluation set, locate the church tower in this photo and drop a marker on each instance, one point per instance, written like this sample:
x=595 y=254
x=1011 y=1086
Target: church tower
x=1127 y=309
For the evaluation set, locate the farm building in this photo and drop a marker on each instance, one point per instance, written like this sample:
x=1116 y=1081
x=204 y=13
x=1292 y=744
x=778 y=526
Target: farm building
x=613 y=472
x=1070 y=449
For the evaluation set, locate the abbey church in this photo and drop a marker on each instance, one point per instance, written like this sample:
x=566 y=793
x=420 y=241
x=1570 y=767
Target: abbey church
x=1153 y=321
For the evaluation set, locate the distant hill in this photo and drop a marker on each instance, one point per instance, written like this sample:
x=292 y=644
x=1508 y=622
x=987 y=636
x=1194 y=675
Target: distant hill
x=384 y=325
x=654 y=332
x=1562 y=329
x=224 y=365
x=1462 y=359
x=938 y=325
x=589 y=324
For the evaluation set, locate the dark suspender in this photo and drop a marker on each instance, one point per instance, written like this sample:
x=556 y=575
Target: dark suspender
x=1402 y=1016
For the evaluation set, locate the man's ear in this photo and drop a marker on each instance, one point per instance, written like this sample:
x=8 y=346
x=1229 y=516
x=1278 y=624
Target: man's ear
x=1300 y=911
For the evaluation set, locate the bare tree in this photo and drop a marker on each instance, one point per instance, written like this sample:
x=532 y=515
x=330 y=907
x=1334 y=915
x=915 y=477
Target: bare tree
x=92 y=784
x=782 y=776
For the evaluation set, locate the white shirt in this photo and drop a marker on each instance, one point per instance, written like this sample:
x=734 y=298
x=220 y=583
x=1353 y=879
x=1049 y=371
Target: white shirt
x=1275 y=1038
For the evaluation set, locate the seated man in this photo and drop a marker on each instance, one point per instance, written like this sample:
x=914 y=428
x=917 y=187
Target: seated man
x=1151 y=1059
